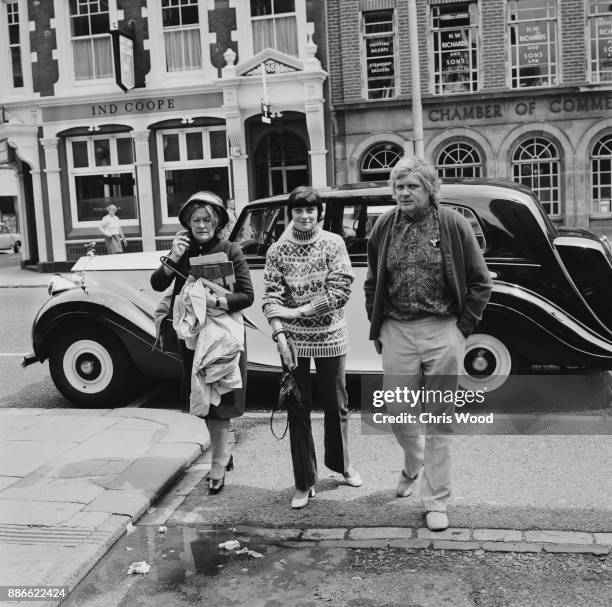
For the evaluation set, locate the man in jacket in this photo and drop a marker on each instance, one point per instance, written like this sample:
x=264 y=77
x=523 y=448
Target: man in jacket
x=426 y=288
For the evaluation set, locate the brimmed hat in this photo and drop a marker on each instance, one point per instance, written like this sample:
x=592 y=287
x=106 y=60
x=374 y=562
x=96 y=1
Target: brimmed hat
x=204 y=198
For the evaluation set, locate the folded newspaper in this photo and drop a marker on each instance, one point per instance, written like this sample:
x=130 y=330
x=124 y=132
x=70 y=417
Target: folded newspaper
x=215 y=267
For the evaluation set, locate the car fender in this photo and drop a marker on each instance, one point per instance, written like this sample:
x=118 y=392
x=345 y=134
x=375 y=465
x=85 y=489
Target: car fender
x=123 y=311
x=539 y=330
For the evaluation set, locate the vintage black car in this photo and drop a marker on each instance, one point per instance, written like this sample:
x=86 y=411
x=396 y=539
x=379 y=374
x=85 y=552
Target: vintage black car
x=551 y=302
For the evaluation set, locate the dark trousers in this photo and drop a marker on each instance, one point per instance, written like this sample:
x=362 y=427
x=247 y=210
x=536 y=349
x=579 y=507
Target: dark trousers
x=331 y=385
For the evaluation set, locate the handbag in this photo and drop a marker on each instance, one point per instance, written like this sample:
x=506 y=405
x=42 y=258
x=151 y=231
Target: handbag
x=166 y=339
x=289 y=392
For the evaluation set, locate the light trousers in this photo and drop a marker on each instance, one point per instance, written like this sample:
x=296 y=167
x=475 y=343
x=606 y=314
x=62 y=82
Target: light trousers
x=426 y=352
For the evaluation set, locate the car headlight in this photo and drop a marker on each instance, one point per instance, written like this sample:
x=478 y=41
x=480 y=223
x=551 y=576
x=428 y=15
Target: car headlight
x=60 y=283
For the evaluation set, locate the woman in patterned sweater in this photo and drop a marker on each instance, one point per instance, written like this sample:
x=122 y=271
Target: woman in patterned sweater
x=307 y=282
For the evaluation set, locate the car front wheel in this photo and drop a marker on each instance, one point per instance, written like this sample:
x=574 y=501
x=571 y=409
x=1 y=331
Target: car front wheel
x=91 y=367
x=488 y=363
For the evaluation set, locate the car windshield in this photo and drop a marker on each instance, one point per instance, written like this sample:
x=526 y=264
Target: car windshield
x=261 y=227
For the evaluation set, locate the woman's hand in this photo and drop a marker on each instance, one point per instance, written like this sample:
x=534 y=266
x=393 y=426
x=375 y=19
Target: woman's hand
x=290 y=313
x=179 y=245
x=215 y=287
x=286 y=352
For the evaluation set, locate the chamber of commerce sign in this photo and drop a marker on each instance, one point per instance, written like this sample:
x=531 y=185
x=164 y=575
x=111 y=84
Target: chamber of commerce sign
x=538 y=109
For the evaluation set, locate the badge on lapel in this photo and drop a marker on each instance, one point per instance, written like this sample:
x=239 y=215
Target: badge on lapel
x=435 y=243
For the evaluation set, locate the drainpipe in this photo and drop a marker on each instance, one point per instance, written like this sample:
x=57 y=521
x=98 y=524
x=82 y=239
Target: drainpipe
x=417 y=109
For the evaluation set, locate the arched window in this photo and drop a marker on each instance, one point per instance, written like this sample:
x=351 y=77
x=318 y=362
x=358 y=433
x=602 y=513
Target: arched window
x=459 y=160
x=378 y=161
x=536 y=164
x=601 y=175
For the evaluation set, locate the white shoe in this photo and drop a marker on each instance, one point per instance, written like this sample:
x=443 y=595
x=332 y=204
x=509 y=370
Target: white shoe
x=436 y=521
x=352 y=478
x=300 y=502
x=405 y=485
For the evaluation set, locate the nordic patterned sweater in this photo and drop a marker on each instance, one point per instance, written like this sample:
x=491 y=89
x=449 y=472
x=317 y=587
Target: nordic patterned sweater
x=310 y=267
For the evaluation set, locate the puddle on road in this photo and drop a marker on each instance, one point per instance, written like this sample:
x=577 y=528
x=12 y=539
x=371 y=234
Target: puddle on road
x=174 y=557
x=189 y=569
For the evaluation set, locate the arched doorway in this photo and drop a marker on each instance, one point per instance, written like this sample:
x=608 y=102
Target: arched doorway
x=281 y=163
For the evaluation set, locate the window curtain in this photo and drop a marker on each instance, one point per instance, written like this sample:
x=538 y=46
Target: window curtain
x=286 y=35
x=263 y=34
x=83 y=59
x=183 y=50
x=103 y=55
x=93 y=58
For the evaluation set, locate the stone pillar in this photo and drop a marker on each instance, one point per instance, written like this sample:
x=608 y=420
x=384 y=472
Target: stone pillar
x=54 y=192
x=144 y=185
x=39 y=216
x=238 y=155
x=316 y=131
x=235 y=131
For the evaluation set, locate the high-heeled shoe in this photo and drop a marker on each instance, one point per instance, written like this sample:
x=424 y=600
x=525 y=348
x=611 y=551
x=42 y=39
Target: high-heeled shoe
x=229 y=467
x=352 y=478
x=215 y=485
x=300 y=502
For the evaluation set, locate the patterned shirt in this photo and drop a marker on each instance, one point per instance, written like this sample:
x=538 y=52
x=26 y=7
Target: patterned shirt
x=416 y=286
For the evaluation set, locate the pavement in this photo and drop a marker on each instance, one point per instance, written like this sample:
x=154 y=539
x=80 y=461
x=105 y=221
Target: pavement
x=13 y=276
x=73 y=481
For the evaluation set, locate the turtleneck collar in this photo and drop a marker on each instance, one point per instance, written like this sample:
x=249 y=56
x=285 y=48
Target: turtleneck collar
x=306 y=237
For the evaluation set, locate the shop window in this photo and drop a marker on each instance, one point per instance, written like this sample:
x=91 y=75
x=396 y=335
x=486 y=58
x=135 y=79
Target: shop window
x=378 y=161
x=191 y=160
x=274 y=25
x=600 y=30
x=536 y=165
x=459 y=160
x=601 y=175
x=181 y=35
x=533 y=42
x=91 y=41
x=101 y=172
x=455 y=46
x=12 y=11
x=378 y=34
x=282 y=164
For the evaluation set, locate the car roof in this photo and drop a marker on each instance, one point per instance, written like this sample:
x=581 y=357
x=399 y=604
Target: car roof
x=476 y=187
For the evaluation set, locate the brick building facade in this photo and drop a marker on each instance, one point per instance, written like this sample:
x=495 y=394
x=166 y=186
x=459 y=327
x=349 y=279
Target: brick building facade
x=196 y=74
x=512 y=89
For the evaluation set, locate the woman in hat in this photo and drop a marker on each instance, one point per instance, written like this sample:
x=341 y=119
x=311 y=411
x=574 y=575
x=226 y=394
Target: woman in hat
x=203 y=216
x=111 y=229
x=307 y=282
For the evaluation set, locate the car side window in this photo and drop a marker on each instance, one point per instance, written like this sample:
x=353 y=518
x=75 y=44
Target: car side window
x=260 y=228
x=3 y=229
x=353 y=219
x=473 y=221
